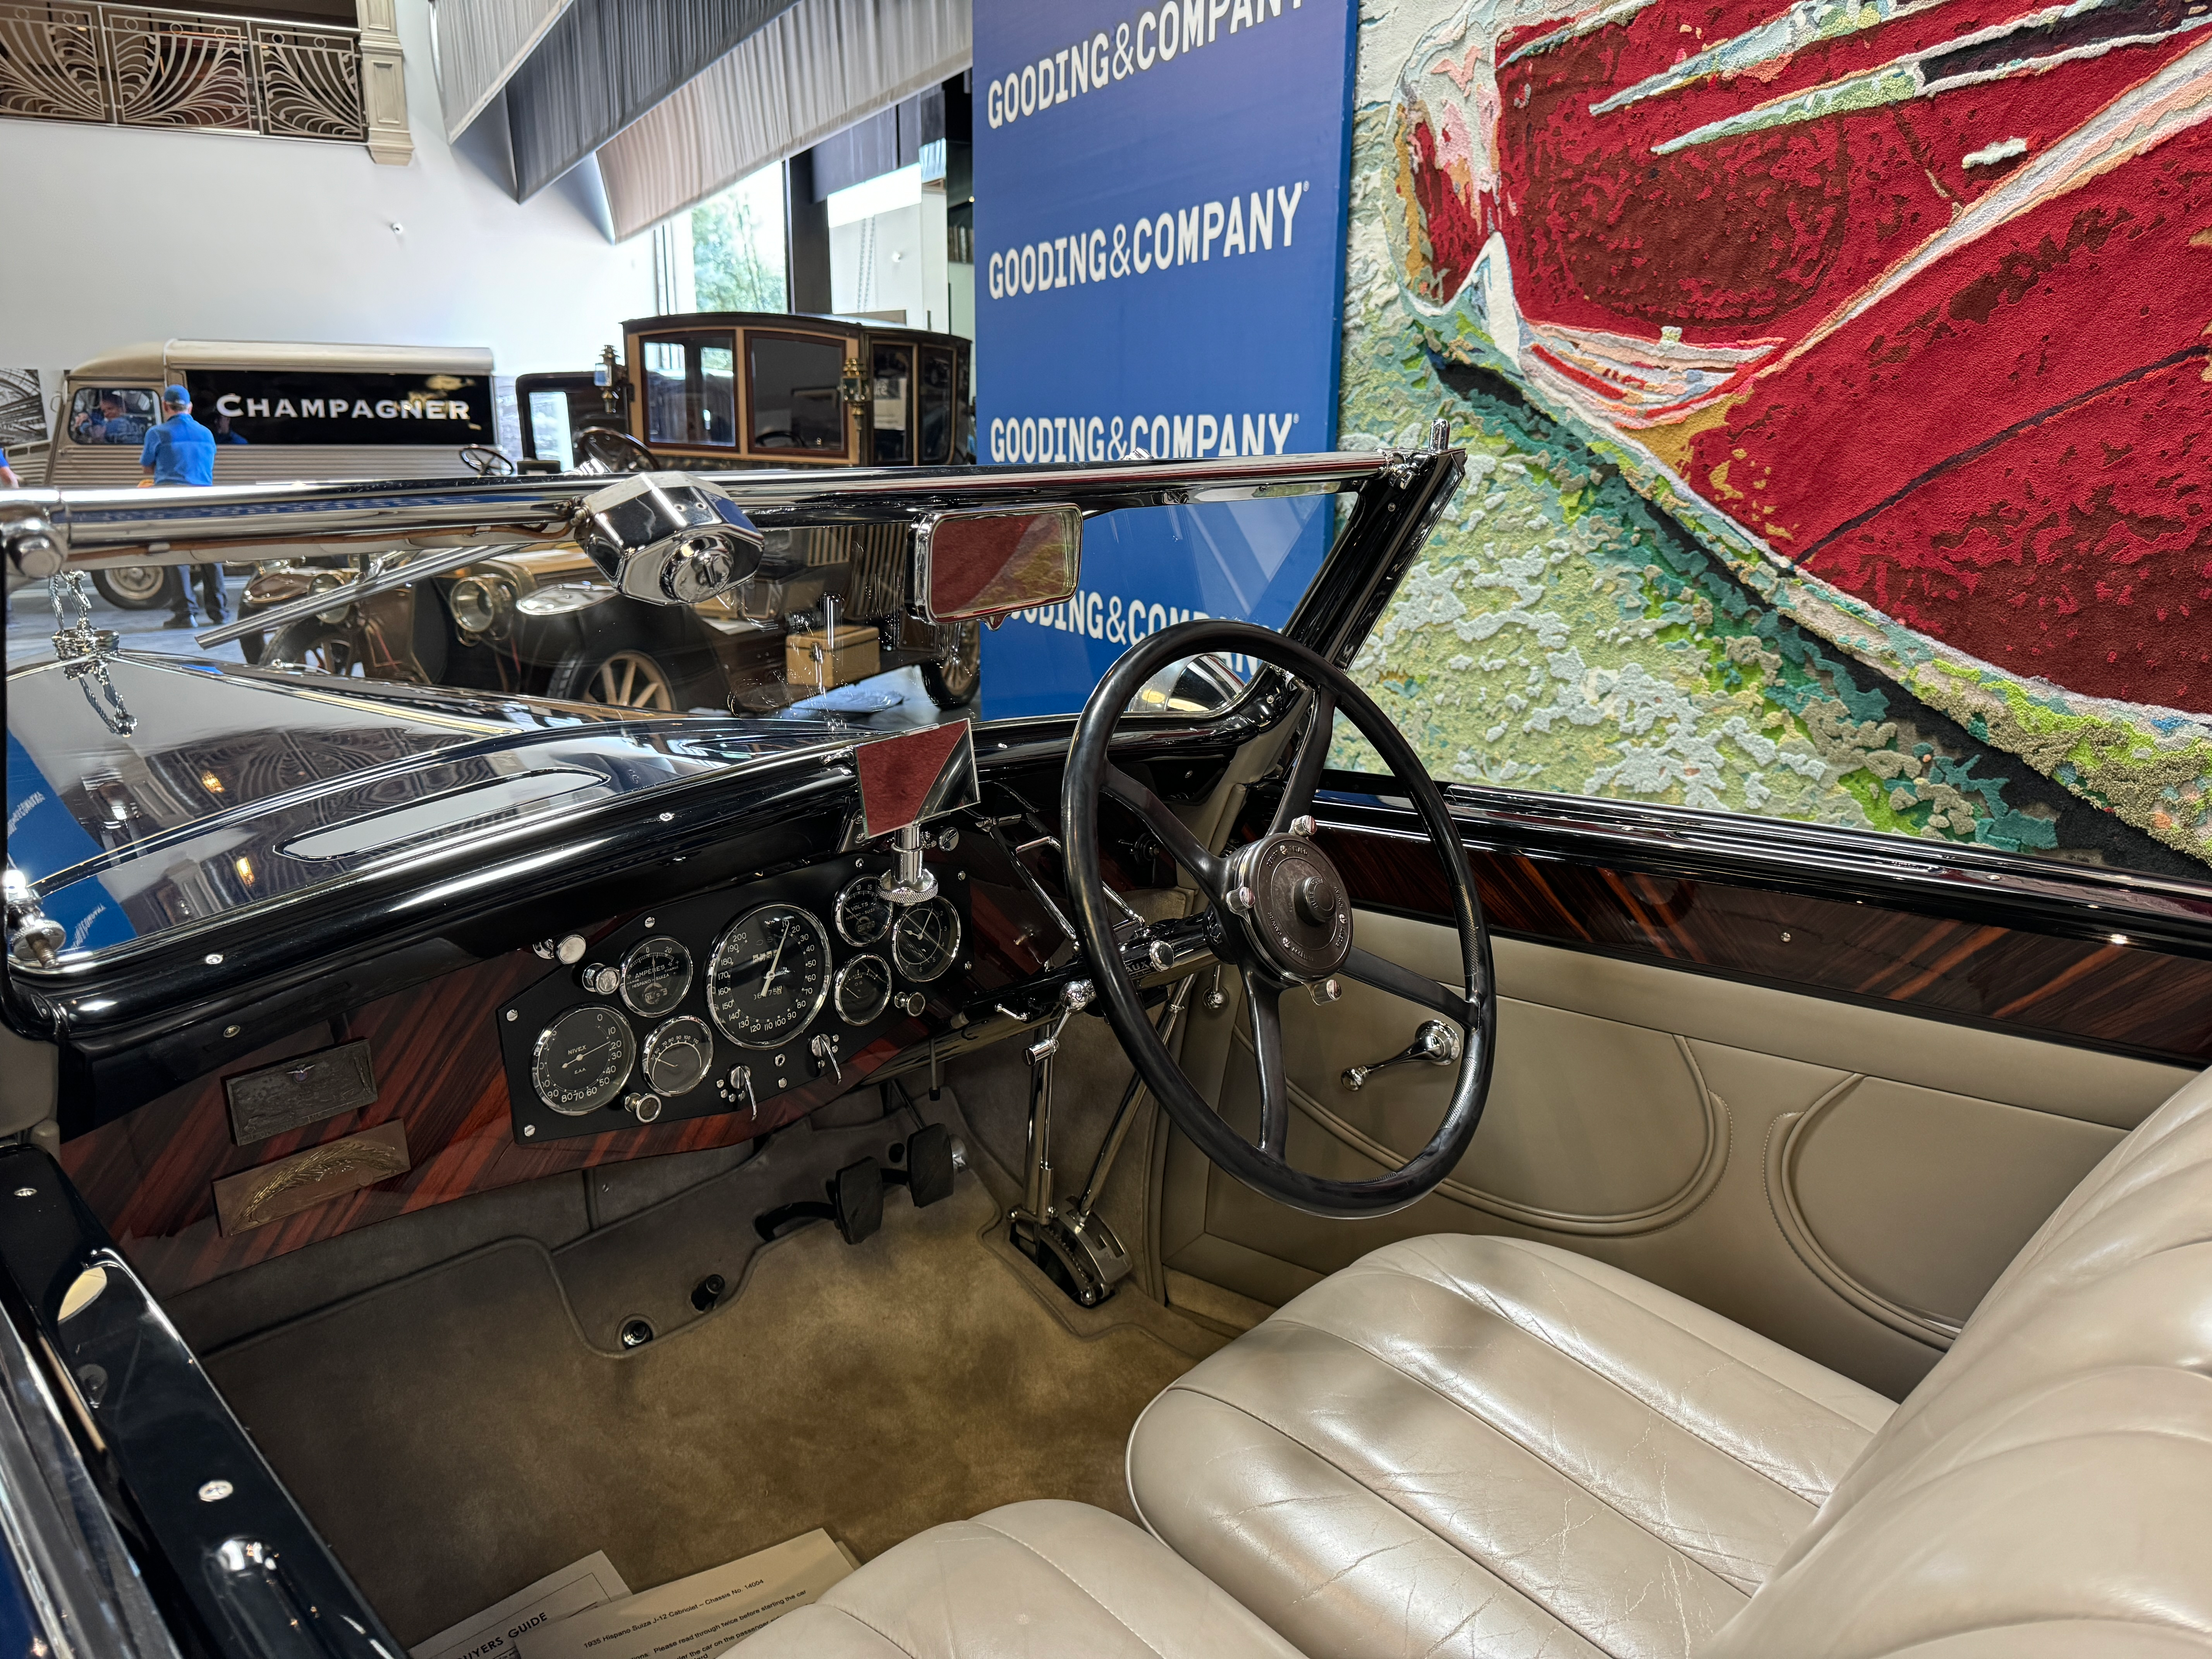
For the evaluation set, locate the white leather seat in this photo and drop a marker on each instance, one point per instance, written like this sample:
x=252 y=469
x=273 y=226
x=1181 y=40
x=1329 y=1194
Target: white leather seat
x=1479 y=1446
x=1043 y=1580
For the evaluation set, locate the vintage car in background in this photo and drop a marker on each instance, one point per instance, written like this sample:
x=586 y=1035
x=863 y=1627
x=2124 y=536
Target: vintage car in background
x=727 y=389
x=453 y=1134
x=278 y=410
x=830 y=606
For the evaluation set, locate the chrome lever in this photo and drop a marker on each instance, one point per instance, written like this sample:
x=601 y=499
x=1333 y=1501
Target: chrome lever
x=1433 y=1040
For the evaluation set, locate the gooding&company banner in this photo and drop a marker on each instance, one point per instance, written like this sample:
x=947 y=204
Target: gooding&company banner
x=1159 y=243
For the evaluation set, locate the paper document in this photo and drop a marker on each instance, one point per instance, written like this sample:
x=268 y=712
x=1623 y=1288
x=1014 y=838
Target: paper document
x=698 y=1617
x=590 y=1582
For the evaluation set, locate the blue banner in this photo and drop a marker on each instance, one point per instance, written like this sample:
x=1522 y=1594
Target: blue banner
x=1160 y=200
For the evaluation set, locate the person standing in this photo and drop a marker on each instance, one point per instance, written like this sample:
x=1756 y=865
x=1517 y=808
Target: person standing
x=181 y=450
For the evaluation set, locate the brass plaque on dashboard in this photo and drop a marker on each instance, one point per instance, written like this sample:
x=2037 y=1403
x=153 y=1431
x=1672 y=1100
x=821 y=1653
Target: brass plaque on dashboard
x=254 y=1198
x=305 y=1089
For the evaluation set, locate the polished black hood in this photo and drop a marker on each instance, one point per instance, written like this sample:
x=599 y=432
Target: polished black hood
x=240 y=787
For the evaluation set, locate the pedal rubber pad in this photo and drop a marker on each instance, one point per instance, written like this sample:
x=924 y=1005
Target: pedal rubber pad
x=929 y=1163
x=857 y=1195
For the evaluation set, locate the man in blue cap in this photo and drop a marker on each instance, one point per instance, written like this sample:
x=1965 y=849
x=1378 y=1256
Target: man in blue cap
x=181 y=450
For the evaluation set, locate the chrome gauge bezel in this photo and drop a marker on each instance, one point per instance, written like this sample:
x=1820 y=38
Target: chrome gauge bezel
x=657 y=942
x=690 y=1028
x=852 y=936
x=606 y=1093
x=821 y=989
x=838 y=990
x=952 y=941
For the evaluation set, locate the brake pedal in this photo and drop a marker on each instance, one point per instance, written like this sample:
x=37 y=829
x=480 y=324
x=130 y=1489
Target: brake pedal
x=855 y=1204
x=933 y=1155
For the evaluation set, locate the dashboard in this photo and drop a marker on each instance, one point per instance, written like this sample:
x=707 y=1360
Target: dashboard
x=723 y=1001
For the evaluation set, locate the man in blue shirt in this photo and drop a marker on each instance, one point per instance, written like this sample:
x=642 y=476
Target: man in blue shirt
x=181 y=450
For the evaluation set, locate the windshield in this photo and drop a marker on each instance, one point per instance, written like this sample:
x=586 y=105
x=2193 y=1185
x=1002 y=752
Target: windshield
x=1556 y=635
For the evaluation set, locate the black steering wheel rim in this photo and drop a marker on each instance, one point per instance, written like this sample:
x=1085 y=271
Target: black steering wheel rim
x=1090 y=772
x=623 y=454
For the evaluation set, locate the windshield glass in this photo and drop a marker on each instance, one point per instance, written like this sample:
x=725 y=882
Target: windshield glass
x=340 y=730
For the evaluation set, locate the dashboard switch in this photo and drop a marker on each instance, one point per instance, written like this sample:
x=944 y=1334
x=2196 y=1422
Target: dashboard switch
x=646 y=1108
x=600 y=979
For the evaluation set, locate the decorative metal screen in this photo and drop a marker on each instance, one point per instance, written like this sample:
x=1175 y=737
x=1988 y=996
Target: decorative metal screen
x=135 y=66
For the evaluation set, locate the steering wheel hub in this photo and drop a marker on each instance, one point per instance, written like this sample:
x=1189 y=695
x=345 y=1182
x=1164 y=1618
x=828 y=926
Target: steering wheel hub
x=1299 y=920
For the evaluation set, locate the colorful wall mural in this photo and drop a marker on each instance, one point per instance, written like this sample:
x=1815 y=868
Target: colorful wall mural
x=1838 y=386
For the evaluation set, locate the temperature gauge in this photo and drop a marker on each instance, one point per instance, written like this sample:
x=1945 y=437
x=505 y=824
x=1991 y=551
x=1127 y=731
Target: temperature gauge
x=678 y=1055
x=862 y=989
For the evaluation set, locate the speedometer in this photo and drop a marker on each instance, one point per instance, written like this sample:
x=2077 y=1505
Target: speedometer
x=768 y=976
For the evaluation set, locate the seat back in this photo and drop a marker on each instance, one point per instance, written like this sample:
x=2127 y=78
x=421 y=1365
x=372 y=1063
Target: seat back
x=2047 y=1489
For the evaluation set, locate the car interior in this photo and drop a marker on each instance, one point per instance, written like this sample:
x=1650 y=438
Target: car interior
x=1263 y=1205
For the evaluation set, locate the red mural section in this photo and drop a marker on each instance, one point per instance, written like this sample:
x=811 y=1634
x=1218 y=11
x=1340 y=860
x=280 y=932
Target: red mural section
x=1918 y=296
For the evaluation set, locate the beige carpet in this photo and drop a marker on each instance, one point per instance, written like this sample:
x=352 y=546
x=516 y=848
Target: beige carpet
x=454 y=1436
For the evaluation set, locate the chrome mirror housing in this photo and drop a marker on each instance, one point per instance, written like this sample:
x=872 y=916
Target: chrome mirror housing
x=994 y=561
x=667 y=538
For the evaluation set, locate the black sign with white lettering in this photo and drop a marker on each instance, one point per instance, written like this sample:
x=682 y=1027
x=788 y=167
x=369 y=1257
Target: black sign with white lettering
x=295 y=406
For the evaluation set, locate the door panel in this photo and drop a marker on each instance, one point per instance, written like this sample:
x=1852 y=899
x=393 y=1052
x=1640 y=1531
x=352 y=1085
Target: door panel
x=1923 y=1153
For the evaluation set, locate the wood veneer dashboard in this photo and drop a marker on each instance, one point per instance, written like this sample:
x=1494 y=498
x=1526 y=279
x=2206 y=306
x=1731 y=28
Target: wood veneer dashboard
x=453 y=1073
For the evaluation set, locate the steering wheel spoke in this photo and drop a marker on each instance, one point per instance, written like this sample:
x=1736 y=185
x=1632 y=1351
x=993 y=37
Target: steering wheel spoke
x=1305 y=777
x=1265 y=998
x=1174 y=834
x=1291 y=923
x=1371 y=970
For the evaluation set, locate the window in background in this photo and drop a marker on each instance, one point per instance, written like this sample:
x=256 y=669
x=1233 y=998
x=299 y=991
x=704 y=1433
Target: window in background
x=737 y=245
x=795 y=401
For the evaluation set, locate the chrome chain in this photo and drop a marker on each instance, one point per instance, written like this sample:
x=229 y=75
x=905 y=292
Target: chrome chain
x=86 y=651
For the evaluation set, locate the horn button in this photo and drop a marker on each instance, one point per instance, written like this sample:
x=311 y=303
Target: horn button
x=1300 y=917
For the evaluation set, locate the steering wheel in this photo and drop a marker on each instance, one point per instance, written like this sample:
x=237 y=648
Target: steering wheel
x=614 y=452
x=1280 y=915
x=486 y=462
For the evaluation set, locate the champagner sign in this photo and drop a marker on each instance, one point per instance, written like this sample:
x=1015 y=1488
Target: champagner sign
x=1159 y=242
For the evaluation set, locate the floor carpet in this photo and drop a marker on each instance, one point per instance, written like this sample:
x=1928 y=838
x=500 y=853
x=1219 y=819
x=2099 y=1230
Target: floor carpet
x=454 y=1436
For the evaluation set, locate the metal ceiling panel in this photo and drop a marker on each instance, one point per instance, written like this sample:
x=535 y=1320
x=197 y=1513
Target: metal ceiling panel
x=602 y=63
x=814 y=70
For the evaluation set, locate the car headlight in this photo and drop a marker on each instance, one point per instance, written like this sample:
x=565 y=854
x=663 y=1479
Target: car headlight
x=559 y=601
x=324 y=582
x=480 y=604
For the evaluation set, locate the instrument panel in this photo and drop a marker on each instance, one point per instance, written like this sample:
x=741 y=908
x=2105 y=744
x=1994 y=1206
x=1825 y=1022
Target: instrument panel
x=721 y=1002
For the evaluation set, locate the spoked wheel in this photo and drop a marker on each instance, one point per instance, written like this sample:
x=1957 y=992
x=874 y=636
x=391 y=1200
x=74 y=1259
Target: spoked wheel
x=320 y=648
x=1281 y=916
x=621 y=679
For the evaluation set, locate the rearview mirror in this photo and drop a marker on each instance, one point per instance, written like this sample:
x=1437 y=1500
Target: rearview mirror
x=995 y=561
x=667 y=538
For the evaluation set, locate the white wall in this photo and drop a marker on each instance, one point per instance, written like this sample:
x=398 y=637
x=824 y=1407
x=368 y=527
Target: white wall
x=116 y=236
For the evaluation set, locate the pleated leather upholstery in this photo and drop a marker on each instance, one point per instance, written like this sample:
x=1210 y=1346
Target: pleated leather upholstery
x=1480 y=1446
x=1468 y=1445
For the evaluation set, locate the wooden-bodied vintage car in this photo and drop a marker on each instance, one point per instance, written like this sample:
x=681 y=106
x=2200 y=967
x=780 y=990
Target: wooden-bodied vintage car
x=454 y=1134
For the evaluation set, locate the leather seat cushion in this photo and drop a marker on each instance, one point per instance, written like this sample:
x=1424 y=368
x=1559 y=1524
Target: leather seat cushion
x=1034 y=1579
x=1481 y=1445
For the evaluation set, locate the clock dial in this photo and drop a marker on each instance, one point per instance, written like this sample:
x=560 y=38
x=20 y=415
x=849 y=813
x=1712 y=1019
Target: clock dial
x=924 y=939
x=655 y=975
x=768 y=976
x=581 y=1061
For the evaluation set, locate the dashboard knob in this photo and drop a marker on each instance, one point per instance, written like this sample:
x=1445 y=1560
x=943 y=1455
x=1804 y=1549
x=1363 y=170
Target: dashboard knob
x=601 y=979
x=910 y=1003
x=646 y=1108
